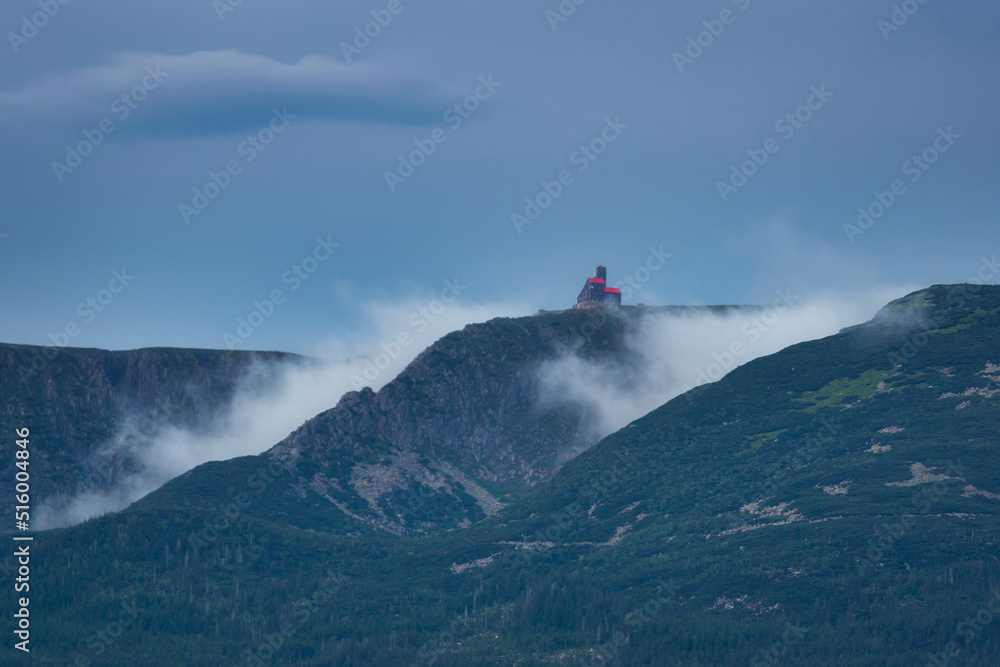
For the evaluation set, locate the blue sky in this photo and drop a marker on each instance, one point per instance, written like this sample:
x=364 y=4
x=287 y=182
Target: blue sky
x=215 y=85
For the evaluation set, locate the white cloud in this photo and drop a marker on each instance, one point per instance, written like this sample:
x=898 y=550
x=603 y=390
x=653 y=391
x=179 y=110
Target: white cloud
x=666 y=355
x=264 y=412
x=670 y=353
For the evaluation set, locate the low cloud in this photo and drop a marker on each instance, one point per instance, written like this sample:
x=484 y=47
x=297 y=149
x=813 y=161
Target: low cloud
x=670 y=352
x=271 y=403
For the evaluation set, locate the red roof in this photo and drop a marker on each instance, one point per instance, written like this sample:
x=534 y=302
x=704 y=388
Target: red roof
x=596 y=280
x=612 y=290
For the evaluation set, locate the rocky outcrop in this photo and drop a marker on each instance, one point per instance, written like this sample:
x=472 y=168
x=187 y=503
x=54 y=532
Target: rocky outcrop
x=455 y=436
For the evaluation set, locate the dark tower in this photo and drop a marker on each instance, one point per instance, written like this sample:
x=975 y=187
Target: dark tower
x=602 y=273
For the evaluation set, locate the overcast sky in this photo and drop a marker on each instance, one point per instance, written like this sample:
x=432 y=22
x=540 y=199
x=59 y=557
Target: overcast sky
x=114 y=113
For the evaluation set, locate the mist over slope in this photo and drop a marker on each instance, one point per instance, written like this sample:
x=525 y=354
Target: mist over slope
x=845 y=488
x=493 y=410
x=660 y=352
x=460 y=430
x=90 y=410
x=673 y=349
x=268 y=398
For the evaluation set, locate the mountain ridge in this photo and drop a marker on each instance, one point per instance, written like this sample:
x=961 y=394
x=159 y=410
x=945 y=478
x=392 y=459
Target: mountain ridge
x=786 y=496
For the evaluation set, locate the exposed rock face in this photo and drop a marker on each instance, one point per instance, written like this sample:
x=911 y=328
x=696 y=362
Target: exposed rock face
x=459 y=432
x=74 y=399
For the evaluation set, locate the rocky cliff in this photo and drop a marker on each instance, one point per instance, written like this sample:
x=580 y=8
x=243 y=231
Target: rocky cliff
x=75 y=400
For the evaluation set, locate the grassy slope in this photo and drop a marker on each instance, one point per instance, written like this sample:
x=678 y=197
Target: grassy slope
x=677 y=487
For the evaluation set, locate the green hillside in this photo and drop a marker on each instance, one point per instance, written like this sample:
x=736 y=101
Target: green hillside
x=835 y=503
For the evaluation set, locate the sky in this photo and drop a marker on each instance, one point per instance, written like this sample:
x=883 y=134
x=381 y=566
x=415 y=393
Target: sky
x=171 y=169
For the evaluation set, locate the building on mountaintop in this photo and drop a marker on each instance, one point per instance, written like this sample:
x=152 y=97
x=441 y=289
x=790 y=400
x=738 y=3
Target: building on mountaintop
x=596 y=293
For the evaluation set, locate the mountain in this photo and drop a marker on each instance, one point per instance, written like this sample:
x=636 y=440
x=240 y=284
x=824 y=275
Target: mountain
x=834 y=503
x=77 y=401
x=466 y=428
x=459 y=433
